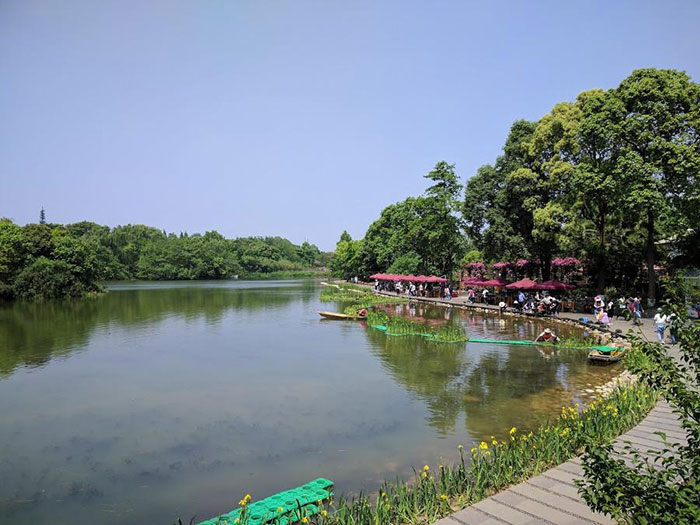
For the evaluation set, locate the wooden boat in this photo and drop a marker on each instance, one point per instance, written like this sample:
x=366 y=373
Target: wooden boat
x=339 y=316
x=610 y=356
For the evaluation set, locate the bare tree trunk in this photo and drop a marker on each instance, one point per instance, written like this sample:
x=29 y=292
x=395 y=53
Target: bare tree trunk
x=651 y=259
x=546 y=268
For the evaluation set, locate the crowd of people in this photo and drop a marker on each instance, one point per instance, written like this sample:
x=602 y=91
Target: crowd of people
x=537 y=303
x=411 y=290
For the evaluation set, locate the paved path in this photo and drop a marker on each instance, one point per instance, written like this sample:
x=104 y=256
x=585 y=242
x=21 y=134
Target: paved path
x=552 y=497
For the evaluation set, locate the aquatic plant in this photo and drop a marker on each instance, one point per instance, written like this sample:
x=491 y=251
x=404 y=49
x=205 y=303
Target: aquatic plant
x=399 y=326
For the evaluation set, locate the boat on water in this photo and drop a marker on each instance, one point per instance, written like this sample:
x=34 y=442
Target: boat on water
x=339 y=316
x=606 y=354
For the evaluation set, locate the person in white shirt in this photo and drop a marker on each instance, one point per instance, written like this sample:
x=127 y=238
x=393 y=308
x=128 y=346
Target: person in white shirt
x=660 y=324
x=502 y=306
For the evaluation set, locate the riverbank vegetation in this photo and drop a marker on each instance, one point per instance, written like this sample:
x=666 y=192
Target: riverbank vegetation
x=661 y=486
x=610 y=178
x=54 y=260
x=400 y=326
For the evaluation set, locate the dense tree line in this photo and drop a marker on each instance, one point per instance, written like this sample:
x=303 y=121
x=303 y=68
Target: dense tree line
x=53 y=260
x=420 y=235
x=611 y=178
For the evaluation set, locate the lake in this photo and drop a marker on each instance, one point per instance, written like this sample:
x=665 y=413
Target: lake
x=159 y=400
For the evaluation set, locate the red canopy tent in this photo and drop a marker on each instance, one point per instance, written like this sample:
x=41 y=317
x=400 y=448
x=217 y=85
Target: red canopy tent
x=525 y=284
x=496 y=282
x=434 y=279
x=558 y=285
x=476 y=281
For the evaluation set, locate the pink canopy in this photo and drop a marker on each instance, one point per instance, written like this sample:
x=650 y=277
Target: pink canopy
x=558 y=285
x=410 y=278
x=525 y=284
x=476 y=281
x=496 y=282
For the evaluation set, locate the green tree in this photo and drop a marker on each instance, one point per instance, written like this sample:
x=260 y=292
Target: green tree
x=659 y=132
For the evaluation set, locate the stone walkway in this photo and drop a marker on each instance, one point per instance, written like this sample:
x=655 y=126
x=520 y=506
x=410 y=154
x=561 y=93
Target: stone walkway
x=552 y=497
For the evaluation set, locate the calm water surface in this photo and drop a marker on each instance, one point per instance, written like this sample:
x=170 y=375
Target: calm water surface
x=174 y=399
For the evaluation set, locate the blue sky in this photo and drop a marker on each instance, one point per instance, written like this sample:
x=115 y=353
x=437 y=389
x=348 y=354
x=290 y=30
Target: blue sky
x=296 y=118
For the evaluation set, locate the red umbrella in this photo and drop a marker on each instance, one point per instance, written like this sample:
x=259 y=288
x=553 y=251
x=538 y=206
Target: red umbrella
x=422 y=279
x=476 y=281
x=495 y=282
x=434 y=279
x=524 y=284
x=412 y=278
x=376 y=276
x=558 y=285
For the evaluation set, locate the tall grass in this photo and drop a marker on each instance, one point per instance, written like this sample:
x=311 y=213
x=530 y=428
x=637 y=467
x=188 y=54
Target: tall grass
x=399 y=326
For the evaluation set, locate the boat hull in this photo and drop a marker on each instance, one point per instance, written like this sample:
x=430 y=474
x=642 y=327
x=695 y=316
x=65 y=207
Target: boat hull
x=340 y=317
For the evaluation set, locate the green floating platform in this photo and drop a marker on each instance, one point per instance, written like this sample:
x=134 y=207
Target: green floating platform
x=601 y=348
x=282 y=508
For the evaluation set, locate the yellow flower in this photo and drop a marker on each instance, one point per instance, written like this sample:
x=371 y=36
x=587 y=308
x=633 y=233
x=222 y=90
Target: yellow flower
x=494 y=442
x=483 y=445
x=443 y=497
x=324 y=513
x=473 y=451
x=487 y=453
x=305 y=520
x=426 y=468
x=280 y=509
x=460 y=447
x=242 y=503
x=513 y=431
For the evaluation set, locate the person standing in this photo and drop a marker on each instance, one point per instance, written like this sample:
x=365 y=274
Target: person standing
x=672 y=327
x=638 y=311
x=660 y=324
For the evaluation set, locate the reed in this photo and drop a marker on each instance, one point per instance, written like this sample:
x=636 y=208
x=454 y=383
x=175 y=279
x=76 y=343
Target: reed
x=398 y=326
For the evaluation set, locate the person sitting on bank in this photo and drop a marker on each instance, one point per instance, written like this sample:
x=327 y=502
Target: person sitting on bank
x=547 y=337
x=502 y=306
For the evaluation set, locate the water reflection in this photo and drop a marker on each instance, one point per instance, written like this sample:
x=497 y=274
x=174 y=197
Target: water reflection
x=493 y=386
x=175 y=399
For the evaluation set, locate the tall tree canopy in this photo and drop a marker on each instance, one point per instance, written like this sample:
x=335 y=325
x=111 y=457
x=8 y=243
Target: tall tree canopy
x=603 y=178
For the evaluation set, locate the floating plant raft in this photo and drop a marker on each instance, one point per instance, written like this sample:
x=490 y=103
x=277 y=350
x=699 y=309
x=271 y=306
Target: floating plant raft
x=282 y=508
x=600 y=348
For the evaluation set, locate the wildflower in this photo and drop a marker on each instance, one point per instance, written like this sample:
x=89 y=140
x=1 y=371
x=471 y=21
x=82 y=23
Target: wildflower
x=483 y=445
x=487 y=453
x=494 y=442
x=473 y=450
x=305 y=520
x=460 y=447
x=513 y=431
x=443 y=497
x=426 y=468
x=324 y=513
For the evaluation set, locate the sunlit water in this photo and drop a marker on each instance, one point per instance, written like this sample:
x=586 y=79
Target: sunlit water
x=174 y=399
